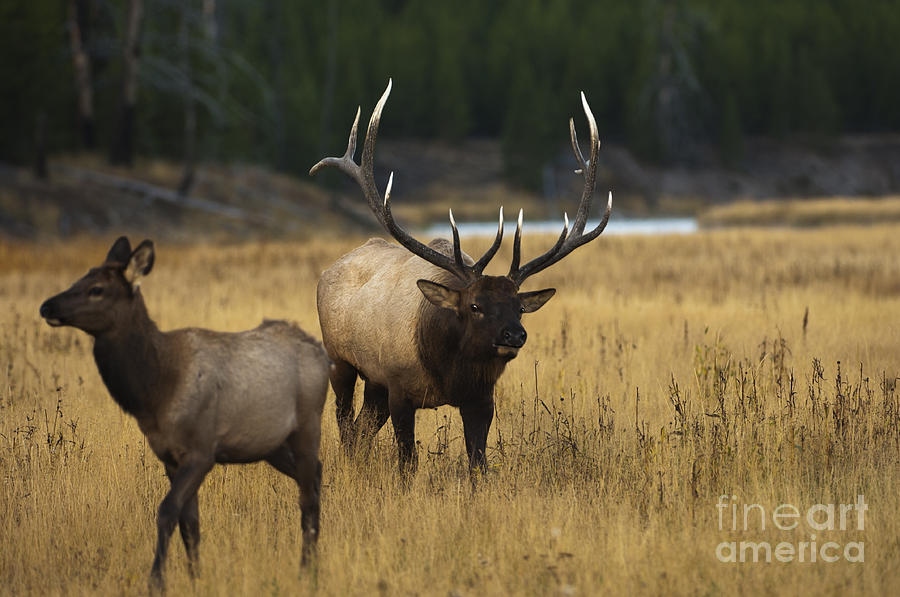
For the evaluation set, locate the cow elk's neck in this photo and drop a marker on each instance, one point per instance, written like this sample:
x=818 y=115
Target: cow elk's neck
x=132 y=359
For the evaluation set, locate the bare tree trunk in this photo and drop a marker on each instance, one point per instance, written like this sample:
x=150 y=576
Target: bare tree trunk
x=81 y=61
x=275 y=21
x=40 y=146
x=123 y=149
x=330 y=76
x=190 y=109
x=212 y=25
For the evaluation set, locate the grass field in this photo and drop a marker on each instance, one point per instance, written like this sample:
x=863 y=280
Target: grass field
x=667 y=372
x=799 y=213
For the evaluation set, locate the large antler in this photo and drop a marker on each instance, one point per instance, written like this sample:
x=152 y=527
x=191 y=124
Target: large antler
x=363 y=174
x=567 y=241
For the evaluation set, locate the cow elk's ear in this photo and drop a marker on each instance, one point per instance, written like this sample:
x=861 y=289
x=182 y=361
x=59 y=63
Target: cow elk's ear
x=120 y=252
x=439 y=295
x=140 y=263
x=532 y=301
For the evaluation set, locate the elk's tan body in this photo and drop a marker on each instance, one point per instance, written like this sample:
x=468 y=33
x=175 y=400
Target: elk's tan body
x=359 y=329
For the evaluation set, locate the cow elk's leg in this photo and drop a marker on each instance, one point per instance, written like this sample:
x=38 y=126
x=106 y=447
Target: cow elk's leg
x=374 y=414
x=282 y=460
x=186 y=480
x=403 y=417
x=189 y=526
x=343 y=381
x=309 y=480
x=477 y=419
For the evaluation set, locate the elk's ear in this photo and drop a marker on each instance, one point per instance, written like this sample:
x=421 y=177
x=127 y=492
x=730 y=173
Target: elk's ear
x=439 y=295
x=140 y=263
x=120 y=252
x=532 y=301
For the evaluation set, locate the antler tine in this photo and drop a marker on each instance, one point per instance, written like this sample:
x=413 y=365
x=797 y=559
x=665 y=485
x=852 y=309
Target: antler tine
x=492 y=250
x=517 y=247
x=569 y=241
x=367 y=162
x=457 y=251
x=345 y=162
x=576 y=148
x=590 y=174
x=387 y=191
x=538 y=263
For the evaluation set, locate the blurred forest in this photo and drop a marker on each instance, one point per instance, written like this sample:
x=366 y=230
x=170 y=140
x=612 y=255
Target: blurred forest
x=275 y=82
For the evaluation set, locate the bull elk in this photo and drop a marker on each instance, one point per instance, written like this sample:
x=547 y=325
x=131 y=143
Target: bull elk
x=422 y=324
x=202 y=397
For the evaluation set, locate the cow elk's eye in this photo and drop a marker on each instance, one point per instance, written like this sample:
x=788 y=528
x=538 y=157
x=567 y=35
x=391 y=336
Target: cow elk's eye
x=95 y=291
x=475 y=308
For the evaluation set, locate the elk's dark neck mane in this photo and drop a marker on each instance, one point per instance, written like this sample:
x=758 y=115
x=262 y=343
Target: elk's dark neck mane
x=135 y=361
x=457 y=375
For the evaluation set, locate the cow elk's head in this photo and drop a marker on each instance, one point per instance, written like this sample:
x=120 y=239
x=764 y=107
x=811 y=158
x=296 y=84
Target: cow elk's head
x=490 y=307
x=99 y=299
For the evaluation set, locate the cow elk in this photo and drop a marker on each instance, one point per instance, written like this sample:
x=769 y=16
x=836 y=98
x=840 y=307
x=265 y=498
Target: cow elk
x=422 y=324
x=202 y=397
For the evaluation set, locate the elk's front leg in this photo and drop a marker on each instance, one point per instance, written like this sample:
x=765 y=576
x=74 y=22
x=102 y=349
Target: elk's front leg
x=186 y=480
x=477 y=417
x=403 y=417
x=189 y=526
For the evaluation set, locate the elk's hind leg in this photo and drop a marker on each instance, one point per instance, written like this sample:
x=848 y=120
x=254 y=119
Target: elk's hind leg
x=343 y=382
x=304 y=444
x=282 y=460
x=373 y=414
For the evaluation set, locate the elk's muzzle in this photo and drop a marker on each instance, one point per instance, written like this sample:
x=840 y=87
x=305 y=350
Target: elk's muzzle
x=49 y=312
x=514 y=337
x=511 y=339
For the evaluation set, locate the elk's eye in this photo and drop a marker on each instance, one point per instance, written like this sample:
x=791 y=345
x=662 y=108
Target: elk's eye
x=474 y=308
x=95 y=291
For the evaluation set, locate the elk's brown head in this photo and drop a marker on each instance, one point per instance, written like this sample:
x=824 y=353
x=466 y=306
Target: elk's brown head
x=489 y=308
x=490 y=311
x=97 y=301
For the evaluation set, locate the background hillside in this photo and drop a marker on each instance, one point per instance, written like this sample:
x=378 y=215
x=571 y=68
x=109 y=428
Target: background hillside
x=696 y=100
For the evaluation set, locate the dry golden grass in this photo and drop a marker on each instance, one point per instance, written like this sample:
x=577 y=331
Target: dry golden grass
x=804 y=212
x=591 y=489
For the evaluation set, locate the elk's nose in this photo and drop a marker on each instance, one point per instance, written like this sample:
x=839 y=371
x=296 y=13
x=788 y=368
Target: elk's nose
x=45 y=309
x=514 y=337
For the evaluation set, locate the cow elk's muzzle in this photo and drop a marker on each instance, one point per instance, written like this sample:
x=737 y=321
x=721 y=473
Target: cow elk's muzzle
x=50 y=313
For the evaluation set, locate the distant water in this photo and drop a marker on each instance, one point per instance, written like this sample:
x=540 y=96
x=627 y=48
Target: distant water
x=638 y=226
